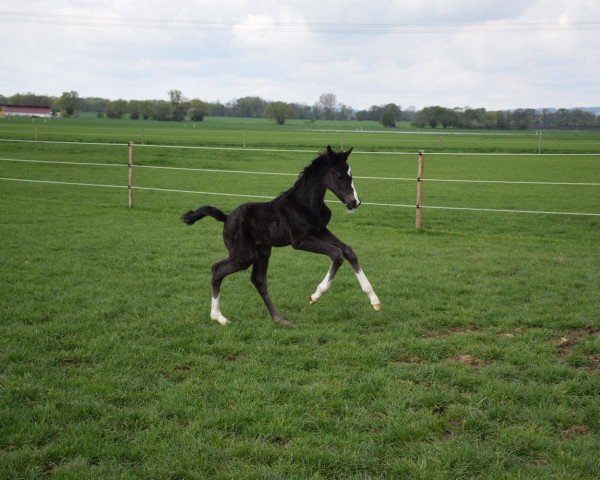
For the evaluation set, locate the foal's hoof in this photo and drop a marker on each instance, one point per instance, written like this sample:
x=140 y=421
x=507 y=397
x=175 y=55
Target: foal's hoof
x=311 y=301
x=219 y=318
x=377 y=306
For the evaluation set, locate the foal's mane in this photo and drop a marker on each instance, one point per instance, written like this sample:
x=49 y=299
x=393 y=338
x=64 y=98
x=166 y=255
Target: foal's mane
x=307 y=171
x=313 y=166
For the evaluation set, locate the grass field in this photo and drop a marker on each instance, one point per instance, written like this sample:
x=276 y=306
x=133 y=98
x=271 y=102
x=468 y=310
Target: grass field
x=484 y=361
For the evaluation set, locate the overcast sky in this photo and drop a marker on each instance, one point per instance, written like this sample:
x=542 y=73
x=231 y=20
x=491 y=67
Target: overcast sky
x=478 y=53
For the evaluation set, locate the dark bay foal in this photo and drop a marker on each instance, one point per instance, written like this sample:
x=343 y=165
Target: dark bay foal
x=297 y=217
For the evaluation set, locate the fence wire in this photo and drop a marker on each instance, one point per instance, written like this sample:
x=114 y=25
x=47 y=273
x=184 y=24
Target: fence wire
x=263 y=197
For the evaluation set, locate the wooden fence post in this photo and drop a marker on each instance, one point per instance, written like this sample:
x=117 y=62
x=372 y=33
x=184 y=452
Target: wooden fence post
x=130 y=174
x=420 y=188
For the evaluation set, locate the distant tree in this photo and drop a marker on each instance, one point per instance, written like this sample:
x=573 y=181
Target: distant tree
x=302 y=111
x=279 y=111
x=523 y=118
x=161 y=110
x=94 y=104
x=420 y=119
x=447 y=117
x=146 y=109
x=197 y=110
x=30 y=98
x=177 y=105
x=363 y=116
x=69 y=102
x=133 y=108
x=216 y=109
x=502 y=119
x=345 y=112
x=581 y=118
x=409 y=113
x=250 y=107
x=395 y=109
x=489 y=120
x=388 y=119
x=327 y=102
x=116 y=108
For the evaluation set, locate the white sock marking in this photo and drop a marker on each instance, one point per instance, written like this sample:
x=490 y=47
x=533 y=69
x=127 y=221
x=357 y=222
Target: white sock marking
x=322 y=287
x=367 y=288
x=215 y=311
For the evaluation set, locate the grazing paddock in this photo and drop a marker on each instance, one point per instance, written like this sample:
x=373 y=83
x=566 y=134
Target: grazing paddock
x=484 y=361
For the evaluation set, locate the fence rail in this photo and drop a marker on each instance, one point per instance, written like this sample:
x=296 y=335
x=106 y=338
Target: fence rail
x=285 y=174
x=311 y=151
x=421 y=179
x=265 y=197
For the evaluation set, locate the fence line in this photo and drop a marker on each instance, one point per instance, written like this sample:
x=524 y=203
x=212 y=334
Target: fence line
x=263 y=197
x=291 y=150
x=251 y=172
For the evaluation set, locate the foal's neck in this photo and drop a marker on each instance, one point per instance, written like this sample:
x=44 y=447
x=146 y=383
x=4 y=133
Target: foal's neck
x=310 y=189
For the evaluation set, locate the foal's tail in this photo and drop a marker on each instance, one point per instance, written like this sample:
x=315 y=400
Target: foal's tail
x=192 y=216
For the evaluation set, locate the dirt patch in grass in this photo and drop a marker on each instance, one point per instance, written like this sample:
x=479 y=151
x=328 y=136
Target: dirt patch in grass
x=565 y=346
x=232 y=357
x=594 y=362
x=70 y=362
x=407 y=358
x=470 y=360
x=576 y=431
x=453 y=427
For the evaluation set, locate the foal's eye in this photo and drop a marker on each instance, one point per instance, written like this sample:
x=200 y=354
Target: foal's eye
x=340 y=176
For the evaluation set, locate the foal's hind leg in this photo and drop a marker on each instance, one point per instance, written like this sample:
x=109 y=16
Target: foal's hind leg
x=219 y=271
x=259 y=279
x=349 y=255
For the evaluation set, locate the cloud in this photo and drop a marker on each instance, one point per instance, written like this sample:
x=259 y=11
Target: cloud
x=294 y=51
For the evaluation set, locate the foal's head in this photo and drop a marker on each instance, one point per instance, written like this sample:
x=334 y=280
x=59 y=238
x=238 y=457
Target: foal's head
x=339 y=178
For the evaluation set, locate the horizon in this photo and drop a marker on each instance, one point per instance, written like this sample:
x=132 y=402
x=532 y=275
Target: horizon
x=591 y=108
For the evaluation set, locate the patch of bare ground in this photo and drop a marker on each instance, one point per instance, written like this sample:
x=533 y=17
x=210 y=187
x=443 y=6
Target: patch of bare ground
x=566 y=344
x=470 y=360
x=407 y=358
x=576 y=431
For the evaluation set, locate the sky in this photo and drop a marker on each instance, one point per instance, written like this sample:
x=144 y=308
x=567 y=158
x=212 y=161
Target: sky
x=454 y=53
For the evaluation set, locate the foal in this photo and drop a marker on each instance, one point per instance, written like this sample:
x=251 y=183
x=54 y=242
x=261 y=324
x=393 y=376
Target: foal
x=298 y=217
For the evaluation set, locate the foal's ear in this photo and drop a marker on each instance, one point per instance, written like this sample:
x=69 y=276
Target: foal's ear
x=347 y=153
x=331 y=155
x=329 y=151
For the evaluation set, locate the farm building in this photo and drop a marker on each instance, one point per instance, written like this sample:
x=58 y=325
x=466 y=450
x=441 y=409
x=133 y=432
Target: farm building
x=25 y=111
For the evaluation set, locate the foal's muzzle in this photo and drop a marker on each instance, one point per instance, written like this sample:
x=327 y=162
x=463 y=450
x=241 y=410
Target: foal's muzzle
x=352 y=204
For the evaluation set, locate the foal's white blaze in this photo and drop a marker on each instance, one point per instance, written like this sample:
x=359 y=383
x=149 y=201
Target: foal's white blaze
x=368 y=289
x=215 y=311
x=322 y=287
x=353 y=188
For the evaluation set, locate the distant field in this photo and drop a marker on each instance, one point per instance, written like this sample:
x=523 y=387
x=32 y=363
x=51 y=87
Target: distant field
x=297 y=134
x=484 y=361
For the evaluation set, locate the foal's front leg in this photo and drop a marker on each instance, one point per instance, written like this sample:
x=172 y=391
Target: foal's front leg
x=349 y=255
x=318 y=245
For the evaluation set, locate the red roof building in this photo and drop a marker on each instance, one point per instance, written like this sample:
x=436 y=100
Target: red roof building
x=25 y=111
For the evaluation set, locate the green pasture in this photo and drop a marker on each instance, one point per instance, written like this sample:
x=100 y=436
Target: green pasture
x=238 y=132
x=484 y=361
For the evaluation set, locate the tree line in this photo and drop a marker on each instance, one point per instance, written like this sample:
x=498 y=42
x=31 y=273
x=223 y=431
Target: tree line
x=327 y=107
